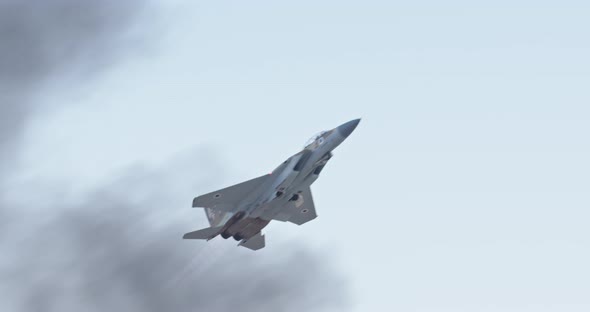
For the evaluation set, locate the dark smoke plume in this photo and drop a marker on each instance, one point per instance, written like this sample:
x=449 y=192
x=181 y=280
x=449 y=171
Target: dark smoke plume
x=113 y=253
x=40 y=42
x=42 y=39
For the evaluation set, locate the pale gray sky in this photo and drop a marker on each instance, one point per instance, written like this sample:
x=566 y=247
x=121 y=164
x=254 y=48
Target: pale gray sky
x=465 y=187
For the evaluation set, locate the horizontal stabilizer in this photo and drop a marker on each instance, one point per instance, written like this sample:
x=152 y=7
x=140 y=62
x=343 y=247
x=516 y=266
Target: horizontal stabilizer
x=255 y=242
x=207 y=233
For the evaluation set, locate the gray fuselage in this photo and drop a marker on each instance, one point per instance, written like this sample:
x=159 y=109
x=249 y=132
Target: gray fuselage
x=285 y=185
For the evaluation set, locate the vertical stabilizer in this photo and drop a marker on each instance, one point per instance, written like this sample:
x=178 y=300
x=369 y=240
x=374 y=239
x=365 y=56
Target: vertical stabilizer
x=216 y=217
x=255 y=242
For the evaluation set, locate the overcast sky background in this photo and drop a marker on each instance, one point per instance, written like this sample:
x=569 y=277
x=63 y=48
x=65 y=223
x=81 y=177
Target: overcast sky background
x=465 y=187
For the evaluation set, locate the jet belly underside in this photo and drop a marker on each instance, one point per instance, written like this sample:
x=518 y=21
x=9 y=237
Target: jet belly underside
x=279 y=208
x=242 y=210
x=273 y=201
x=289 y=171
x=244 y=228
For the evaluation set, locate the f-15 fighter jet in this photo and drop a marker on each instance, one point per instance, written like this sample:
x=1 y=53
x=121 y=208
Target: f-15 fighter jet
x=241 y=211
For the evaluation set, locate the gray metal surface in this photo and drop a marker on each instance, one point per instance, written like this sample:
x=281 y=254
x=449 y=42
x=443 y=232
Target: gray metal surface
x=241 y=211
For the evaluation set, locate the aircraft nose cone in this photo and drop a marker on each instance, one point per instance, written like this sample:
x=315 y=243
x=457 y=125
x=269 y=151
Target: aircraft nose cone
x=346 y=129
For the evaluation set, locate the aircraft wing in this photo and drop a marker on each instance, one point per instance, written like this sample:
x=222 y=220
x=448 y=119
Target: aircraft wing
x=300 y=211
x=228 y=198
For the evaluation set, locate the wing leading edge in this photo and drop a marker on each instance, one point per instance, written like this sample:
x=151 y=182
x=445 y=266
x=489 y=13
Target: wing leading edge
x=227 y=199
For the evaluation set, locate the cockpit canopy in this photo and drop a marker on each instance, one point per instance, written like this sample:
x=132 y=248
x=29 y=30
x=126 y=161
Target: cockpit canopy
x=314 y=138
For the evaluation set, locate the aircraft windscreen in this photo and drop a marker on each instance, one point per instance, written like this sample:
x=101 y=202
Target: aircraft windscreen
x=313 y=139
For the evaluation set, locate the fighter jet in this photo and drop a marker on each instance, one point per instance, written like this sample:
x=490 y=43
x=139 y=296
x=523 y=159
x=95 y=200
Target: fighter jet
x=241 y=211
